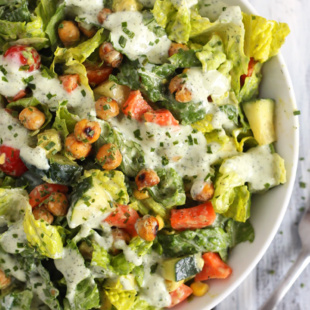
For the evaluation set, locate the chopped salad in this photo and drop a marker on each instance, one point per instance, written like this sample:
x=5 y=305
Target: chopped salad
x=132 y=138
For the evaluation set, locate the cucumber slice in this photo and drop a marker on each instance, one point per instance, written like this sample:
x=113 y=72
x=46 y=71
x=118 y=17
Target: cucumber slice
x=178 y=269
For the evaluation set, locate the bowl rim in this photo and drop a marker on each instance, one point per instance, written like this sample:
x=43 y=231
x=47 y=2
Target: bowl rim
x=263 y=249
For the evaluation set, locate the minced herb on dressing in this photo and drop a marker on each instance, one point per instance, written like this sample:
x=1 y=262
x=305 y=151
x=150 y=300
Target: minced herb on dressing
x=132 y=139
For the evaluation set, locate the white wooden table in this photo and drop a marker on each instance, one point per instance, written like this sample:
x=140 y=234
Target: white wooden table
x=286 y=245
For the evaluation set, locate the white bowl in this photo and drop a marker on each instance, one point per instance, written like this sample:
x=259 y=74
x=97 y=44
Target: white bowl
x=267 y=210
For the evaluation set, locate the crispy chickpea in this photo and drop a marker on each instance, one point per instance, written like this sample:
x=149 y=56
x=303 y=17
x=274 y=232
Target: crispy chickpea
x=109 y=55
x=76 y=148
x=57 y=204
x=147 y=227
x=206 y=193
x=146 y=178
x=32 y=118
x=89 y=32
x=68 y=32
x=119 y=234
x=109 y=156
x=87 y=131
x=106 y=108
x=176 y=47
x=103 y=14
x=4 y=280
x=182 y=94
x=40 y=213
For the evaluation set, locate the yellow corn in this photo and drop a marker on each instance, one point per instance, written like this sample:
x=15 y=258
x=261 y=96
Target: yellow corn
x=2 y=158
x=199 y=288
x=141 y=194
x=160 y=221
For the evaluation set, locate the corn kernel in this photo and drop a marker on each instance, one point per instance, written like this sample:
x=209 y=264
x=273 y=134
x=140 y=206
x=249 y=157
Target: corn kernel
x=160 y=221
x=199 y=288
x=141 y=194
x=2 y=158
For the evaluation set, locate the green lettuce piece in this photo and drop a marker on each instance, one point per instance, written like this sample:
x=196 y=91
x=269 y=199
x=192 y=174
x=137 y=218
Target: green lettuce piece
x=231 y=111
x=64 y=121
x=194 y=241
x=175 y=18
x=169 y=191
x=17 y=300
x=40 y=283
x=82 y=291
x=250 y=89
x=231 y=31
x=15 y=11
x=82 y=51
x=149 y=206
x=243 y=138
x=51 y=28
x=32 y=102
x=212 y=54
x=46 y=238
x=141 y=304
x=263 y=38
x=133 y=156
x=10 y=31
x=113 y=182
x=204 y=125
x=100 y=257
x=13 y=204
x=185 y=59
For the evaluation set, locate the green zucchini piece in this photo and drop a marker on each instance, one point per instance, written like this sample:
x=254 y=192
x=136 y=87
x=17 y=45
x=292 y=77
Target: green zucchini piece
x=61 y=171
x=178 y=269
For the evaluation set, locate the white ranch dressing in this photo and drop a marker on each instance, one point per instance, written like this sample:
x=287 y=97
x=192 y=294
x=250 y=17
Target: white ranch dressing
x=15 y=135
x=130 y=254
x=84 y=9
x=204 y=84
x=9 y=262
x=73 y=269
x=153 y=289
x=257 y=167
x=215 y=9
x=185 y=149
x=143 y=43
x=48 y=91
x=14 y=239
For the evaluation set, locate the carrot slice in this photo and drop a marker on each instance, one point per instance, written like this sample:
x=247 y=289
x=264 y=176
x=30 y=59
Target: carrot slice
x=213 y=268
x=161 y=117
x=180 y=294
x=192 y=218
x=135 y=106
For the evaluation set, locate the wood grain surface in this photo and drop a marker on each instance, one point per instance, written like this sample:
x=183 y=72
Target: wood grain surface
x=285 y=247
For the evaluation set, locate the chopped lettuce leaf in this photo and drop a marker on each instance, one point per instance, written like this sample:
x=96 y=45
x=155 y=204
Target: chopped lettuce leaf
x=100 y=257
x=263 y=38
x=17 y=300
x=64 y=121
x=121 y=299
x=149 y=206
x=204 y=125
x=113 y=182
x=15 y=11
x=46 y=238
x=169 y=191
x=185 y=59
x=13 y=203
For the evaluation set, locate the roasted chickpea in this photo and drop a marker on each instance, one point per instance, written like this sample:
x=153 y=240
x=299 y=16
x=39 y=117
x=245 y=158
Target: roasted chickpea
x=119 y=234
x=32 y=118
x=147 y=227
x=176 y=47
x=182 y=94
x=5 y=281
x=109 y=55
x=89 y=32
x=87 y=131
x=109 y=156
x=103 y=14
x=146 y=178
x=106 y=108
x=40 y=213
x=76 y=148
x=206 y=193
x=68 y=32
x=57 y=204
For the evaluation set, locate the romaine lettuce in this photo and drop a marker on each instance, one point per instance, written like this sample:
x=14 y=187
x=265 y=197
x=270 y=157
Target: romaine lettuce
x=46 y=238
x=263 y=38
x=169 y=191
x=17 y=300
x=64 y=121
